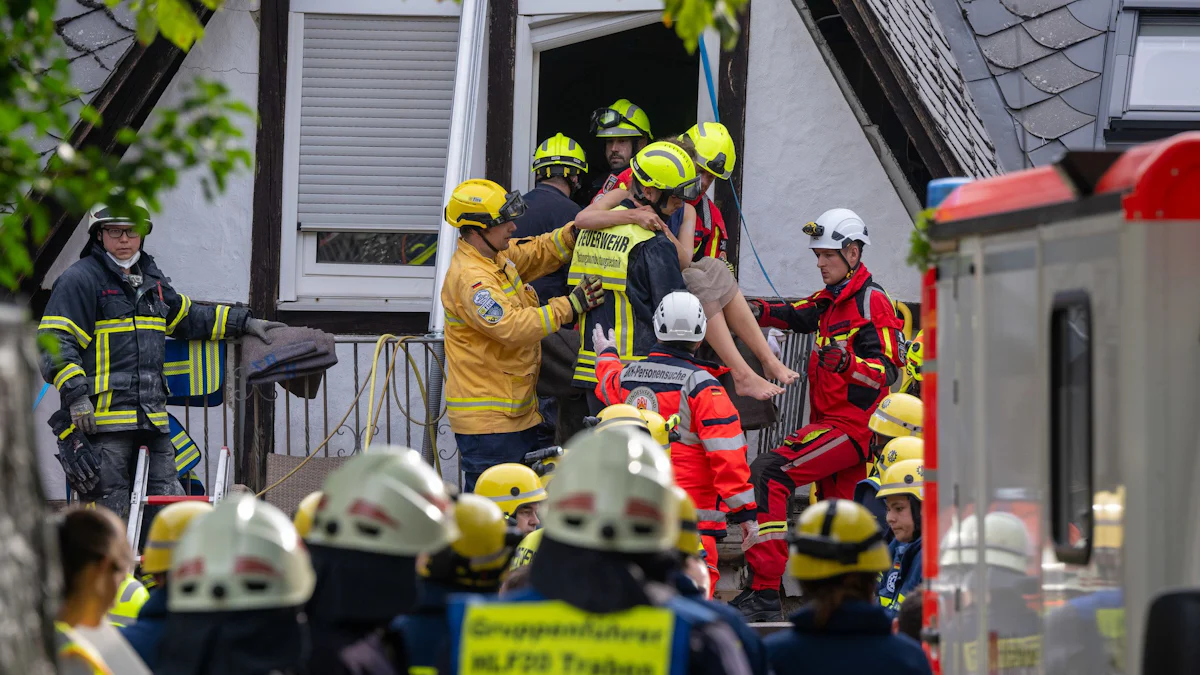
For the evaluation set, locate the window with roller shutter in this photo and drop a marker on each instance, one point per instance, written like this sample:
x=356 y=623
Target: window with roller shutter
x=369 y=137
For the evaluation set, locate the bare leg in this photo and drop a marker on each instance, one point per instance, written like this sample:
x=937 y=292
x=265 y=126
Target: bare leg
x=742 y=323
x=745 y=380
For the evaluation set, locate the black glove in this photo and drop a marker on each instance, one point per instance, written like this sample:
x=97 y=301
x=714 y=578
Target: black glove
x=589 y=293
x=79 y=459
x=834 y=357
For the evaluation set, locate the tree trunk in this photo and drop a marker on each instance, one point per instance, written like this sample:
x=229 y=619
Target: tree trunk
x=29 y=569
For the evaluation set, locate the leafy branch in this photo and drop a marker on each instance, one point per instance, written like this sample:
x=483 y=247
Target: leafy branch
x=35 y=90
x=690 y=18
x=920 y=251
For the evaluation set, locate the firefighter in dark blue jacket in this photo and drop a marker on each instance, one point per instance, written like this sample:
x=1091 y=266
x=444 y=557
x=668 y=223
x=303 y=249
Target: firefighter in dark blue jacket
x=638 y=264
x=109 y=316
x=837 y=554
x=558 y=164
x=902 y=490
x=474 y=563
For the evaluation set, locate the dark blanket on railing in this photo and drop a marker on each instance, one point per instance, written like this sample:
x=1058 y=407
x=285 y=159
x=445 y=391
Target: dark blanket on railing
x=297 y=358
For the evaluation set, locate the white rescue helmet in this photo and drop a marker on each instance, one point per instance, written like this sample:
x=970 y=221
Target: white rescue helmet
x=836 y=229
x=613 y=492
x=386 y=501
x=245 y=555
x=680 y=318
x=100 y=215
x=1006 y=542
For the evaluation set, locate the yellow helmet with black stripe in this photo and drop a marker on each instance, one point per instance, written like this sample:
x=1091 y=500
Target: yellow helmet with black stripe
x=559 y=156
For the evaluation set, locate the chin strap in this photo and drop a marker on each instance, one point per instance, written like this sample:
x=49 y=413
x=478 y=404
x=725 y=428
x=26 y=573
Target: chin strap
x=481 y=232
x=663 y=198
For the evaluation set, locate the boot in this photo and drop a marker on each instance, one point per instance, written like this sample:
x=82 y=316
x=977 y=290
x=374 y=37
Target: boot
x=741 y=597
x=761 y=606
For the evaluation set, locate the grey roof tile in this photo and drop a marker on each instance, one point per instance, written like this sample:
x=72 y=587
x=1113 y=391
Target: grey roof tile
x=1058 y=29
x=927 y=61
x=1051 y=118
x=1096 y=14
x=1047 y=154
x=1088 y=54
x=86 y=74
x=97 y=37
x=1032 y=8
x=987 y=17
x=1018 y=92
x=1086 y=97
x=1028 y=141
x=88 y=32
x=1083 y=138
x=1056 y=73
x=997 y=70
x=1012 y=48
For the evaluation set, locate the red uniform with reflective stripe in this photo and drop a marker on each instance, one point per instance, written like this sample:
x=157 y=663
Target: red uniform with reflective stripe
x=711 y=235
x=710 y=457
x=832 y=449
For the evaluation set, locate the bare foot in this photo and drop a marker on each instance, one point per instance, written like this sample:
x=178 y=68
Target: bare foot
x=749 y=384
x=775 y=370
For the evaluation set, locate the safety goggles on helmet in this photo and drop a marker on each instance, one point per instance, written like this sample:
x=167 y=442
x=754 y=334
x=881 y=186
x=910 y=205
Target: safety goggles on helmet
x=514 y=207
x=813 y=230
x=608 y=118
x=716 y=165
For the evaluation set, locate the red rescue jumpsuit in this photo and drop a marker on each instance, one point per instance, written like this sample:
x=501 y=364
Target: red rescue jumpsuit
x=709 y=458
x=832 y=450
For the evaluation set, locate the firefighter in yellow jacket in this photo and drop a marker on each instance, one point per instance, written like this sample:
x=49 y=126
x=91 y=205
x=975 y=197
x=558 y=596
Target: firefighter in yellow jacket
x=494 y=323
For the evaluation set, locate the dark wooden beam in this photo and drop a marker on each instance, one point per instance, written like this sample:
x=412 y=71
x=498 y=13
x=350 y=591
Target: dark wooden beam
x=125 y=100
x=502 y=52
x=258 y=431
x=732 y=85
x=899 y=89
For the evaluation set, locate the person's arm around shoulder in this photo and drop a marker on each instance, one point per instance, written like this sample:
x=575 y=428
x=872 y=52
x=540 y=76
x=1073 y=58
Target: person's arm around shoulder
x=600 y=214
x=535 y=257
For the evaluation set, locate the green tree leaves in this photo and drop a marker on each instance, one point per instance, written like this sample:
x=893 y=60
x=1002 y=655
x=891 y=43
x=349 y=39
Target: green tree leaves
x=35 y=96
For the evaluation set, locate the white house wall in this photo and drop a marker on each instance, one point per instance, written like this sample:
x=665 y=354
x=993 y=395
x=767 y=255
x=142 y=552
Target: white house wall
x=805 y=153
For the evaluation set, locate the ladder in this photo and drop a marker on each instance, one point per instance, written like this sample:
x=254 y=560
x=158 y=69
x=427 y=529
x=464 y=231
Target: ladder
x=139 y=500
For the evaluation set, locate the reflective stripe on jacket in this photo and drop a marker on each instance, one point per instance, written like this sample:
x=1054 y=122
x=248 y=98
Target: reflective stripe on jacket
x=494 y=328
x=903 y=577
x=111 y=338
x=75 y=655
x=710 y=456
x=862 y=317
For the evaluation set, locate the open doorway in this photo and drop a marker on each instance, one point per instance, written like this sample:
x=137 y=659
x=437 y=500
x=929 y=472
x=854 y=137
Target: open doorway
x=647 y=65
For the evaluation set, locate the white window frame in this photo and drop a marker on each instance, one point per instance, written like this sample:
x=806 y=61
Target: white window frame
x=339 y=287
x=542 y=25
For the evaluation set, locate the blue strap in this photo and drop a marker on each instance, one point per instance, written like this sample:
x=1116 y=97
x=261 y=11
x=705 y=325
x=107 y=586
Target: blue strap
x=41 y=395
x=712 y=98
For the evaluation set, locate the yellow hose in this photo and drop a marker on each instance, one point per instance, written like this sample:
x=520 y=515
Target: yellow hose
x=430 y=425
